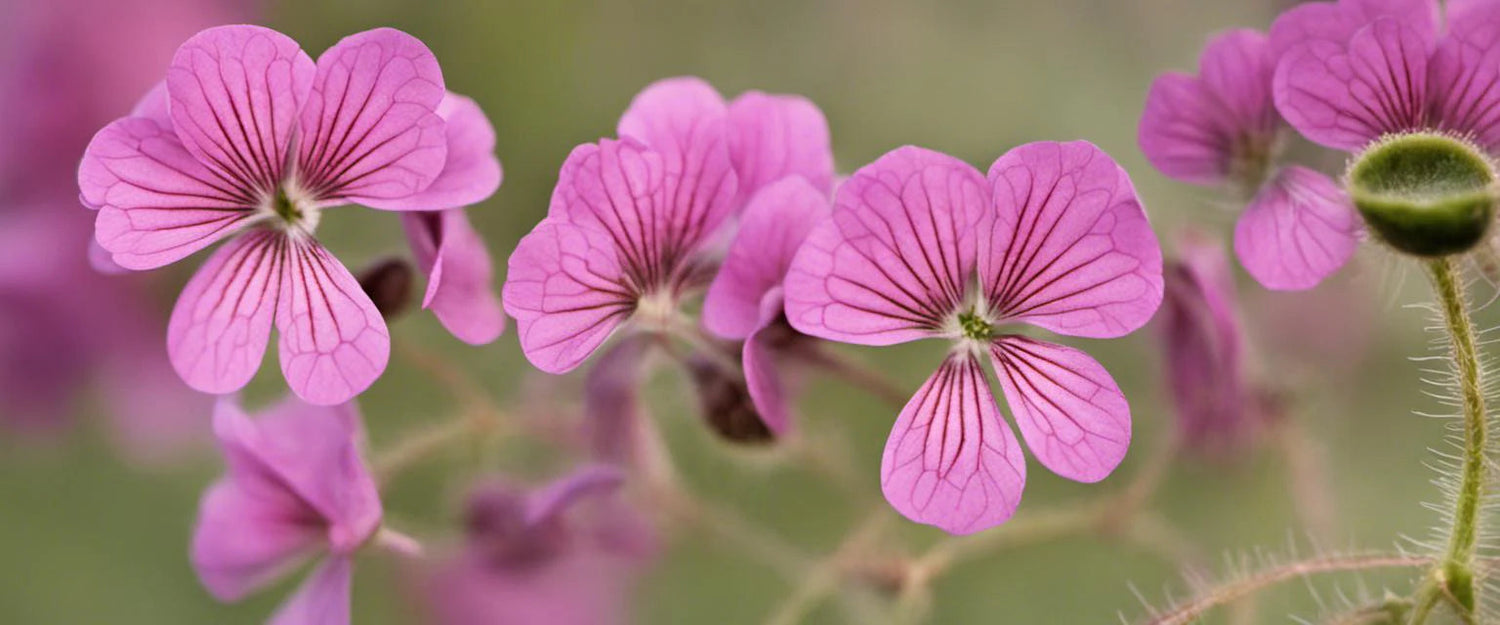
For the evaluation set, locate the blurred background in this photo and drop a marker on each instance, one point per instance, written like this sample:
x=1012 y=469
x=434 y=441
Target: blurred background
x=97 y=497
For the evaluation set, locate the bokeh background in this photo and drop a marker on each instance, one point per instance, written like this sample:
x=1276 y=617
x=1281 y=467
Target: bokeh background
x=94 y=526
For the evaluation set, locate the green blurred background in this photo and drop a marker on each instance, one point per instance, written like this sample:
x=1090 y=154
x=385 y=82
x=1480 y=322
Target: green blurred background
x=87 y=537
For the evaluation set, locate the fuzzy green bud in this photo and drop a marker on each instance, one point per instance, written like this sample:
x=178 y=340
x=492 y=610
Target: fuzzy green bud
x=1425 y=194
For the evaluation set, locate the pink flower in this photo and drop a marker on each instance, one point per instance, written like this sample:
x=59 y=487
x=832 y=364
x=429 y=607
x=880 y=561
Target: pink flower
x=1220 y=127
x=561 y=555
x=248 y=138
x=921 y=245
x=296 y=488
x=1203 y=340
x=633 y=221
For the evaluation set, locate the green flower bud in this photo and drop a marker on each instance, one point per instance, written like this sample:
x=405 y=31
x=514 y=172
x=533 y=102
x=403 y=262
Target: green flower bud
x=1424 y=194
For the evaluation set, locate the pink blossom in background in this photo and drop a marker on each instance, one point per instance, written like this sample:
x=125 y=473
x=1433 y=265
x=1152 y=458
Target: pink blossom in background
x=1056 y=238
x=1203 y=341
x=565 y=554
x=1221 y=127
x=634 y=222
x=365 y=124
x=295 y=489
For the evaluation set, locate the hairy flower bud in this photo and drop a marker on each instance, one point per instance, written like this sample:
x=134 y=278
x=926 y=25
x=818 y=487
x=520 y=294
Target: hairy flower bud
x=388 y=282
x=1425 y=194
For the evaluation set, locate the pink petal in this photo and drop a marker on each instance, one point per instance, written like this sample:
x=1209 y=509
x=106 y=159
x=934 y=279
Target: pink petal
x=309 y=453
x=471 y=173
x=1316 y=23
x=1193 y=129
x=950 y=461
x=771 y=230
x=459 y=272
x=612 y=399
x=583 y=483
x=1071 y=413
x=1465 y=74
x=1345 y=96
x=157 y=204
x=102 y=262
x=248 y=536
x=631 y=193
x=1070 y=249
x=321 y=600
x=567 y=293
x=155 y=106
x=1299 y=229
x=371 y=132
x=222 y=321
x=895 y=260
x=775 y=136
x=334 y=343
x=761 y=378
x=235 y=94
x=1203 y=344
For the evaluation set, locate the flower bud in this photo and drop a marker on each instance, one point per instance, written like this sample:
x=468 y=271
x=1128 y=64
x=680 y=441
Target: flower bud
x=1425 y=194
x=726 y=403
x=388 y=282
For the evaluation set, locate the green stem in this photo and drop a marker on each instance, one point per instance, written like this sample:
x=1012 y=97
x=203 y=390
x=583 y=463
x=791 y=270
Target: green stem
x=1454 y=573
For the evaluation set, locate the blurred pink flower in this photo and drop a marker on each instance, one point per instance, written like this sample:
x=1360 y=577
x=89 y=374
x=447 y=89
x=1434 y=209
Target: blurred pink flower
x=295 y=488
x=365 y=124
x=921 y=245
x=561 y=555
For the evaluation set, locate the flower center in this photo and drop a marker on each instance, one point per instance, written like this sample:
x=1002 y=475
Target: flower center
x=974 y=327
x=291 y=209
x=1425 y=194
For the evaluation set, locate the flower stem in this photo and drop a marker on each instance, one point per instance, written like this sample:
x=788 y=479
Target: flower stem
x=1454 y=573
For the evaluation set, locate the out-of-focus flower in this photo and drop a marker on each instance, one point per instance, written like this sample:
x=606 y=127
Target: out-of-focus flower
x=633 y=222
x=364 y=124
x=1055 y=238
x=1203 y=341
x=1221 y=127
x=295 y=488
x=561 y=555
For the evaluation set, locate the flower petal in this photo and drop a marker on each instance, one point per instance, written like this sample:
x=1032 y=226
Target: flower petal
x=1317 y=23
x=612 y=401
x=155 y=105
x=459 y=274
x=772 y=228
x=1345 y=96
x=157 y=204
x=950 y=460
x=894 y=261
x=1299 y=229
x=1071 y=413
x=1203 y=345
x=1465 y=74
x=554 y=499
x=371 y=132
x=235 y=94
x=1193 y=129
x=321 y=600
x=775 y=136
x=334 y=343
x=471 y=172
x=222 y=321
x=567 y=293
x=761 y=378
x=1070 y=249
x=248 y=536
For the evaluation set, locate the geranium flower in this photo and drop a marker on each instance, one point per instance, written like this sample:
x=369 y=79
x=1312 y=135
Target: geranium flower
x=921 y=245
x=295 y=488
x=248 y=139
x=1221 y=128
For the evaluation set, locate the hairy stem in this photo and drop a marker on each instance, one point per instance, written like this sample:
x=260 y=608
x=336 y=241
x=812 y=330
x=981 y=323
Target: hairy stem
x=1453 y=576
x=1229 y=593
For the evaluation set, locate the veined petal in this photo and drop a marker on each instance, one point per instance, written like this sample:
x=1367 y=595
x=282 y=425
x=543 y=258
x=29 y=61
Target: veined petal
x=1317 y=23
x=772 y=228
x=235 y=94
x=155 y=106
x=1070 y=249
x=249 y=535
x=1345 y=96
x=763 y=382
x=307 y=452
x=1071 y=413
x=567 y=293
x=612 y=399
x=775 y=136
x=371 y=132
x=321 y=600
x=1237 y=66
x=1465 y=73
x=895 y=259
x=1202 y=342
x=334 y=343
x=1299 y=229
x=459 y=274
x=950 y=460
x=471 y=172
x=222 y=321
x=157 y=204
